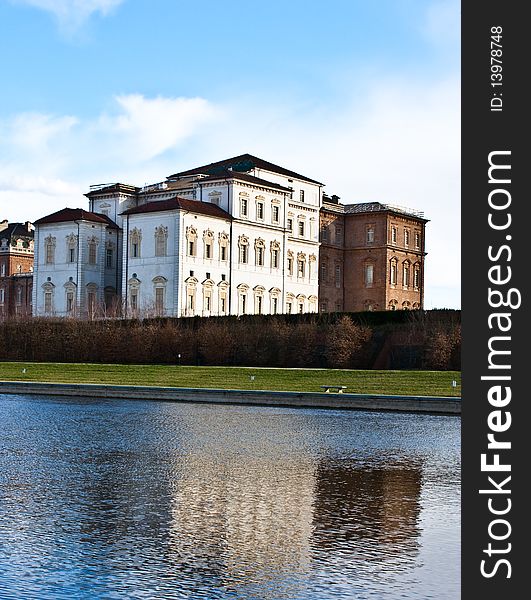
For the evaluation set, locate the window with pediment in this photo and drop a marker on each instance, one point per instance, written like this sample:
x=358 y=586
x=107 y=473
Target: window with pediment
x=191 y=241
x=259 y=250
x=161 y=240
x=135 y=241
x=71 y=248
x=208 y=244
x=243 y=246
x=92 y=244
x=223 y=246
x=49 y=250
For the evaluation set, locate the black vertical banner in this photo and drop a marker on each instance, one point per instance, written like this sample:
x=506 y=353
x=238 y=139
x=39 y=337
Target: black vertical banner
x=495 y=300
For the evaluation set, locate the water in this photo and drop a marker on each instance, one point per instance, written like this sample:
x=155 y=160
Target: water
x=132 y=499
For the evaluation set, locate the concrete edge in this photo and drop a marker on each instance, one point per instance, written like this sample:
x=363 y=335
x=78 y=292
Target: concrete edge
x=375 y=402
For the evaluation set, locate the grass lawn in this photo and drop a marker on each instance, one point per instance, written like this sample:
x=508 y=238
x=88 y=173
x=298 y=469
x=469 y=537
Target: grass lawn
x=421 y=383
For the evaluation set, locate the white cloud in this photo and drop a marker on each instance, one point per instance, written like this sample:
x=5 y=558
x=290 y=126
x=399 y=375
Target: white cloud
x=71 y=14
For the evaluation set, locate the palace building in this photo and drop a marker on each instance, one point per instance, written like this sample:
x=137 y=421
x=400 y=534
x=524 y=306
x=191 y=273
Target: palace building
x=238 y=236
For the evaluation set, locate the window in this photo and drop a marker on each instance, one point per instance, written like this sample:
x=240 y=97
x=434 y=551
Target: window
x=3 y=270
x=370 y=234
x=91 y=300
x=393 y=305
x=48 y=302
x=92 y=250
x=243 y=243
x=417 y=240
x=223 y=246
x=369 y=275
x=275 y=255
x=275 y=213
x=70 y=302
x=159 y=293
x=191 y=238
x=393 y=235
x=324 y=234
x=393 y=272
x=259 y=248
x=260 y=211
x=244 y=204
x=207 y=296
x=406 y=237
x=161 y=240
x=259 y=300
x=191 y=286
x=405 y=274
x=301 y=195
x=71 y=248
x=290 y=225
x=49 y=250
x=324 y=271
x=274 y=305
x=242 y=298
x=290 y=263
x=109 y=255
x=133 y=299
x=339 y=235
x=301 y=265
x=416 y=277
x=223 y=302
x=406 y=305
x=136 y=238
x=301 y=228
x=2 y=295
x=208 y=239
x=338 y=276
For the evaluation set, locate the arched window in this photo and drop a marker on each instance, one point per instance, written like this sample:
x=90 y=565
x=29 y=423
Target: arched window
x=312 y=304
x=135 y=237
x=393 y=304
x=406 y=305
x=161 y=240
x=312 y=262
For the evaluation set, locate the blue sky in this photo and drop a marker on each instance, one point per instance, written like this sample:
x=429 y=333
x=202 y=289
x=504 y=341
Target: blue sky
x=364 y=96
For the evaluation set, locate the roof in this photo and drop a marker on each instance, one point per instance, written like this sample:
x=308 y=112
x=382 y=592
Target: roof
x=76 y=214
x=17 y=230
x=228 y=174
x=363 y=207
x=203 y=208
x=109 y=188
x=243 y=163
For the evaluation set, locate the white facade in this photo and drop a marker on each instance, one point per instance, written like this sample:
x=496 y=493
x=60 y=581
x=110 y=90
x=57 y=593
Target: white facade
x=204 y=243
